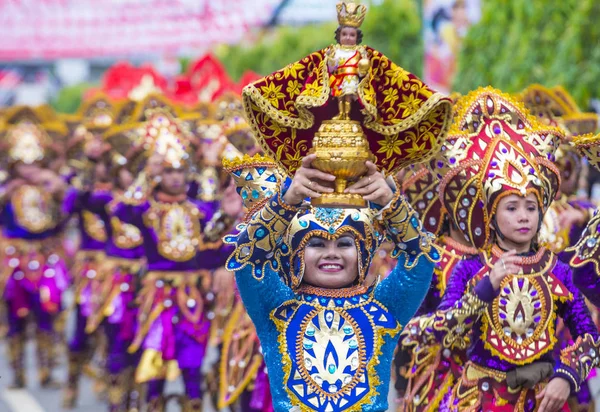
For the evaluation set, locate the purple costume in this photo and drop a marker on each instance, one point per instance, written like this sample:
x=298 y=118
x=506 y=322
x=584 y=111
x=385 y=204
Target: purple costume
x=113 y=307
x=86 y=273
x=172 y=324
x=34 y=272
x=503 y=334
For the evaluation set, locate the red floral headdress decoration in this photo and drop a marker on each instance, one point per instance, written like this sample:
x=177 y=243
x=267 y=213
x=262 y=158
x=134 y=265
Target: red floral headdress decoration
x=495 y=148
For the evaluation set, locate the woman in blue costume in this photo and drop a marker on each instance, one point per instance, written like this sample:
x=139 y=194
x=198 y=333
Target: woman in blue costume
x=327 y=338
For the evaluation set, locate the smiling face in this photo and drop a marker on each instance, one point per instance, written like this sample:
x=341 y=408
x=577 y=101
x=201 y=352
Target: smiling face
x=518 y=220
x=331 y=263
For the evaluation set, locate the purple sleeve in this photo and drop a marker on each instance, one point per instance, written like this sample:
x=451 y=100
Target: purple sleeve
x=577 y=318
x=574 y=313
x=588 y=282
x=132 y=214
x=208 y=209
x=71 y=201
x=97 y=202
x=459 y=279
x=451 y=323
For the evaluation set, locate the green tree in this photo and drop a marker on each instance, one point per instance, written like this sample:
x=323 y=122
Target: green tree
x=518 y=43
x=69 y=98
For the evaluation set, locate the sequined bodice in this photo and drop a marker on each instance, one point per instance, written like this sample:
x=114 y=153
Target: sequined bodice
x=330 y=346
x=125 y=235
x=34 y=209
x=177 y=228
x=519 y=325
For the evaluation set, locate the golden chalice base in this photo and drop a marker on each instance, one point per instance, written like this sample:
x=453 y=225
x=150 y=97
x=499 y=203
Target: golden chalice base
x=339 y=200
x=342 y=150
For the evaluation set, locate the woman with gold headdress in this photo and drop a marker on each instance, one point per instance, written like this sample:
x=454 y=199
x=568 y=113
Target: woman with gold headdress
x=33 y=215
x=96 y=115
x=327 y=338
x=172 y=321
x=503 y=304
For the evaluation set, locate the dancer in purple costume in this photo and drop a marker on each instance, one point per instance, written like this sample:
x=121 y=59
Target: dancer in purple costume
x=33 y=215
x=172 y=324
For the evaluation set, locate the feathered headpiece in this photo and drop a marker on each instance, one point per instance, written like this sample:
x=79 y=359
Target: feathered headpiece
x=495 y=148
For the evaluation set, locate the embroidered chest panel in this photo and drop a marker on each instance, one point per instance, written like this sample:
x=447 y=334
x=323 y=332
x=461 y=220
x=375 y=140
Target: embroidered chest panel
x=35 y=210
x=125 y=235
x=519 y=325
x=177 y=227
x=94 y=226
x=330 y=348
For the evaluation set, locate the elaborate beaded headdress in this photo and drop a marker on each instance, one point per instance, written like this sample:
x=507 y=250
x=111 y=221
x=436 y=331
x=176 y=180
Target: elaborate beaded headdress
x=351 y=14
x=29 y=141
x=230 y=112
x=495 y=148
x=258 y=179
x=558 y=107
x=587 y=249
x=162 y=133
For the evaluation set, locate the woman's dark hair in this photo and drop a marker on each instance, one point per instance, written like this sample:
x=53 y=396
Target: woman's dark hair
x=359 y=34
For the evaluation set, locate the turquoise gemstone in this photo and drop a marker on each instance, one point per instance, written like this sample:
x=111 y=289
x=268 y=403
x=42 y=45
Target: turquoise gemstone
x=308 y=345
x=310 y=332
x=353 y=344
x=260 y=232
x=331 y=368
x=303 y=223
x=347 y=330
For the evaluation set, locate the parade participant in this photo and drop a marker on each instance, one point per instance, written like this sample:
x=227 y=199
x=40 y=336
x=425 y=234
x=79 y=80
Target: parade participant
x=503 y=305
x=114 y=308
x=426 y=373
x=569 y=213
x=401 y=116
x=327 y=338
x=585 y=258
x=33 y=215
x=172 y=324
x=115 y=282
x=95 y=117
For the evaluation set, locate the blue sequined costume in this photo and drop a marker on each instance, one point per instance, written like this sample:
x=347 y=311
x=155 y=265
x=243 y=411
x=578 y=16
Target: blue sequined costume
x=329 y=349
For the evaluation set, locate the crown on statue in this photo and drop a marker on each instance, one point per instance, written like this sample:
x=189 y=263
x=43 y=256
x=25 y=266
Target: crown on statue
x=351 y=14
